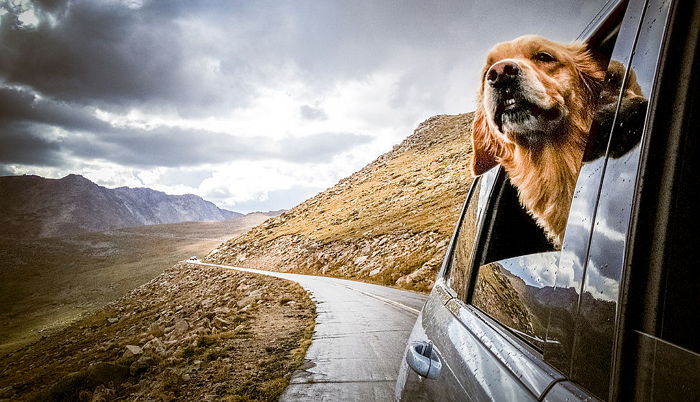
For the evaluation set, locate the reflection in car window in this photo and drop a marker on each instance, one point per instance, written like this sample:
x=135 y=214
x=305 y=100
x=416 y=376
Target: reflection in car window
x=462 y=254
x=564 y=318
x=516 y=293
x=596 y=323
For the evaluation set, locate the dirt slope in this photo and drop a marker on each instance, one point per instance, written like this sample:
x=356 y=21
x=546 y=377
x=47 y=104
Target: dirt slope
x=193 y=333
x=388 y=223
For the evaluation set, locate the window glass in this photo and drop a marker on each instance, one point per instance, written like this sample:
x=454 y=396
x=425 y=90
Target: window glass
x=463 y=248
x=572 y=264
x=515 y=282
x=596 y=322
x=517 y=291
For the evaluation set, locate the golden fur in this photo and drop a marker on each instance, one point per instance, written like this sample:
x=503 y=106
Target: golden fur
x=542 y=155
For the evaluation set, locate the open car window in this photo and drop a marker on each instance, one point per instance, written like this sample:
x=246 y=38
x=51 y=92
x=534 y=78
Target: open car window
x=510 y=274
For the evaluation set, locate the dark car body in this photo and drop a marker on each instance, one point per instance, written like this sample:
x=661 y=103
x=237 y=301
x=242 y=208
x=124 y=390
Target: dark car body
x=613 y=314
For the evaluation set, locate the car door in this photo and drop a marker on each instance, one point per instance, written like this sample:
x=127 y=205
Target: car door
x=453 y=348
x=656 y=354
x=495 y=348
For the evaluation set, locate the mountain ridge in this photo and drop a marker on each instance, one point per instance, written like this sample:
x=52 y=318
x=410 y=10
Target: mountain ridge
x=388 y=223
x=34 y=206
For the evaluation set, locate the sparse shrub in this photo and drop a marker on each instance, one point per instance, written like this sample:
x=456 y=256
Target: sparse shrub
x=214 y=355
x=189 y=351
x=206 y=341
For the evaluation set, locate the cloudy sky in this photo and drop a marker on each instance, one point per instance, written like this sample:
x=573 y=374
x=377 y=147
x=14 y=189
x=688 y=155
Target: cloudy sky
x=254 y=105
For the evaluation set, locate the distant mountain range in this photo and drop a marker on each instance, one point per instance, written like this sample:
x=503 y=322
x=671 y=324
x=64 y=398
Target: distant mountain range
x=33 y=206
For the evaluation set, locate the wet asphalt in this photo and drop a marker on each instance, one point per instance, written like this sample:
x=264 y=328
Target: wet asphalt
x=359 y=339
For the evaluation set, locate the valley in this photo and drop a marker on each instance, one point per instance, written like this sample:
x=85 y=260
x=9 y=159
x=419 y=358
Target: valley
x=48 y=283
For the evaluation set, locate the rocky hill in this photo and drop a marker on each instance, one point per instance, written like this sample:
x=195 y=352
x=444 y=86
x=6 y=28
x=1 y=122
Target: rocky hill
x=388 y=223
x=37 y=207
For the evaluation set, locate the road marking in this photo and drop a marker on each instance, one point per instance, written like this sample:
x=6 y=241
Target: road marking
x=385 y=300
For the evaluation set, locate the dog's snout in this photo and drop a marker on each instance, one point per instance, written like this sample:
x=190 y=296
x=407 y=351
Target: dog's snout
x=502 y=72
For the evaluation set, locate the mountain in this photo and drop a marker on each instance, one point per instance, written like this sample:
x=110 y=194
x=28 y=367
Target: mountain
x=33 y=206
x=388 y=223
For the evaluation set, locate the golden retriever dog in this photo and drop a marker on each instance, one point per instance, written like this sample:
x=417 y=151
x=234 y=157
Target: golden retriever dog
x=536 y=104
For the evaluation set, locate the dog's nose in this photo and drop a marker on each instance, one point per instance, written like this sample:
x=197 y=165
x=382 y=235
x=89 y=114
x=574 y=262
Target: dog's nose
x=502 y=72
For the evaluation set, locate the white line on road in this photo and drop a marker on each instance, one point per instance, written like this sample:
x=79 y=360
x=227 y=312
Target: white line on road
x=385 y=300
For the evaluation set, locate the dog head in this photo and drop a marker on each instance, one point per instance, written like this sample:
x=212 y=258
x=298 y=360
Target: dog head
x=534 y=93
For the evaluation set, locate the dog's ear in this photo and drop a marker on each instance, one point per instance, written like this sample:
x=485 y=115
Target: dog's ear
x=590 y=69
x=483 y=157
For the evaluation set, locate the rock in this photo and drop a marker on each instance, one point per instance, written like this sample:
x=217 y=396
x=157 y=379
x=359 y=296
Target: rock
x=180 y=328
x=360 y=260
x=186 y=377
x=250 y=299
x=221 y=323
x=112 y=320
x=222 y=310
x=375 y=271
x=141 y=365
x=155 y=345
x=132 y=350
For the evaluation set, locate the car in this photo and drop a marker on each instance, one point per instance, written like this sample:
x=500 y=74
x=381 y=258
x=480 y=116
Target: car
x=612 y=314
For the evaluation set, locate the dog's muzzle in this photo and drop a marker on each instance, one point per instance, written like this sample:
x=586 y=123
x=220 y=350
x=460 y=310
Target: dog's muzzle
x=512 y=105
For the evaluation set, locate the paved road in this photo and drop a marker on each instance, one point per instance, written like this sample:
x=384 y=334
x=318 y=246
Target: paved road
x=361 y=331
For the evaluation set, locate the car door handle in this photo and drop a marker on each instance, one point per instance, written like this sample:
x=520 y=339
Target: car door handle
x=424 y=359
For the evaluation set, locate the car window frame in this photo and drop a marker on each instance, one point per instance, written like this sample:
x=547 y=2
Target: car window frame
x=612 y=17
x=488 y=182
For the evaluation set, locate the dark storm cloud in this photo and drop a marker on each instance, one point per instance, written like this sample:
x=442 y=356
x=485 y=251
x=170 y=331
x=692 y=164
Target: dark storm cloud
x=18 y=105
x=207 y=58
x=173 y=147
x=104 y=53
x=22 y=144
x=24 y=117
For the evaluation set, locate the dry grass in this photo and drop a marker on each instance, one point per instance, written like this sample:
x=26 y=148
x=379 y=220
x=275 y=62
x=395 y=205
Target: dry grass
x=251 y=358
x=46 y=284
x=408 y=190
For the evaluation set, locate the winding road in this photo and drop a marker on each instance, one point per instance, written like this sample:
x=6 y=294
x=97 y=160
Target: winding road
x=359 y=339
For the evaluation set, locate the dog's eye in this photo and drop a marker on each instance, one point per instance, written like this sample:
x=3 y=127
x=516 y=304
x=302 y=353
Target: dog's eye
x=544 y=56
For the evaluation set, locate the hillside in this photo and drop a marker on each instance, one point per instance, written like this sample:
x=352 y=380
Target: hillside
x=45 y=284
x=37 y=207
x=193 y=333
x=388 y=223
